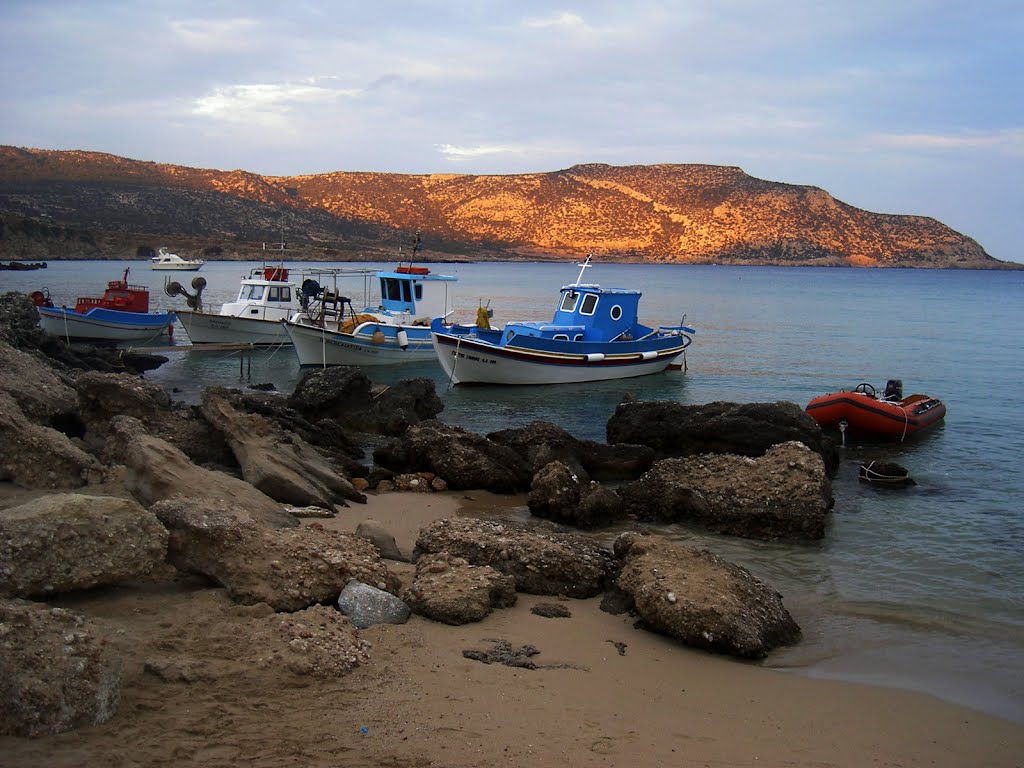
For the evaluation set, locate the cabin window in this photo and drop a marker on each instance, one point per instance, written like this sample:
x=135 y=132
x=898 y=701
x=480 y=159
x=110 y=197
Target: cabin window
x=589 y=304
x=616 y=312
x=252 y=293
x=406 y=291
x=418 y=289
x=578 y=337
x=560 y=337
x=569 y=301
x=390 y=288
x=278 y=293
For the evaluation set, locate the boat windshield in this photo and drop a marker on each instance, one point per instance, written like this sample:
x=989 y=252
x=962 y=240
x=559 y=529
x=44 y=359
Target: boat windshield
x=569 y=300
x=251 y=293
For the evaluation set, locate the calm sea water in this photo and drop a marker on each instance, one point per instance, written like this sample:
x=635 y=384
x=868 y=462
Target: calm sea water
x=919 y=588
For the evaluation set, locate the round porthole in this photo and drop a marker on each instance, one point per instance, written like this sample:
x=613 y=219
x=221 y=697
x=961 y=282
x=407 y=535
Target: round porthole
x=616 y=312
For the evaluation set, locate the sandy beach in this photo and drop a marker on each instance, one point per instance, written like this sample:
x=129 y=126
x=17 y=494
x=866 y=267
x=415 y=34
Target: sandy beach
x=604 y=692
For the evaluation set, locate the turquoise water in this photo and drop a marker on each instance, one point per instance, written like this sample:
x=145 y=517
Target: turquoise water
x=919 y=588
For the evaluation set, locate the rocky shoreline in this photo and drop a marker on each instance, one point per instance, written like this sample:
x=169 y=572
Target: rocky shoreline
x=124 y=486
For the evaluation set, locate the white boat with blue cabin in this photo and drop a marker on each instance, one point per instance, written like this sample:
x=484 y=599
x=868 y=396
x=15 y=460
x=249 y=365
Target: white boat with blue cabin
x=594 y=335
x=332 y=332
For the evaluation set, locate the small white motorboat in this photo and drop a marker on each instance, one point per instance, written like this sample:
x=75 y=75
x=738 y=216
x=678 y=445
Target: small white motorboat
x=172 y=261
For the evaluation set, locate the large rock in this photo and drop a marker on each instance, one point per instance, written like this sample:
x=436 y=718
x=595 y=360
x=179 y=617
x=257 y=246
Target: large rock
x=784 y=494
x=106 y=395
x=450 y=590
x=286 y=569
x=540 y=442
x=65 y=542
x=35 y=456
x=283 y=466
x=542 y=562
x=56 y=671
x=746 y=429
x=464 y=459
x=42 y=395
x=701 y=600
x=156 y=470
x=559 y=494
x=344 y=394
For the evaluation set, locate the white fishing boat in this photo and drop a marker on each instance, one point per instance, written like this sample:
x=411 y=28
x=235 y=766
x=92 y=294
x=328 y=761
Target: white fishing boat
x=331 y=332
x=165 y=260
x=594 y=335
x=266 y=297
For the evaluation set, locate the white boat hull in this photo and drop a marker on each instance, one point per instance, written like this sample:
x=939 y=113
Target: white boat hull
x=205 y=328
x=315 y=346
x=185 y=267
x=473 y=363
x=71 y=326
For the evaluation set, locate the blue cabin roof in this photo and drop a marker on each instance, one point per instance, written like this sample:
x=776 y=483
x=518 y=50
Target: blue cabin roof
x=606 y=313
x=413 y=290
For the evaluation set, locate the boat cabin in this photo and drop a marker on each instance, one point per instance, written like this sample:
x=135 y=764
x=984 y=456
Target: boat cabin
x=266 y=294
x=120 y=296
x=587 y=312
x=414 y=292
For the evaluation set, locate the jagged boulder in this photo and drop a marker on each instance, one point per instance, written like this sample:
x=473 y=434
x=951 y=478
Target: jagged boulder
x=288 y=569
x=540 y=442
x=559 y=494
x=281 y=465
x=702 y=600
x=745 y=429
x=345 y=395
x=464 y=459
x=156 y=470
x=542 y=562
x=69 y=541
x=105 y=395
x=35 y=456
x=42 y=395
x=57 y=672
x=450 y=590
x=784 y=494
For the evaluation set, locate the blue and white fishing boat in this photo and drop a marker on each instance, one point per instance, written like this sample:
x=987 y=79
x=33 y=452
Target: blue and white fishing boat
x=594 y=335
x=331 y=332
x=120 y=315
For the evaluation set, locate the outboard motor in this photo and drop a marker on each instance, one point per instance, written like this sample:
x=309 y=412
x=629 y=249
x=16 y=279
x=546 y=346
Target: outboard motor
x=893 y=390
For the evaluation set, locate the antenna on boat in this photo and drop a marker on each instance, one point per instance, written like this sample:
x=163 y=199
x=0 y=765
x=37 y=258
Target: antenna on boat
x=583 y=267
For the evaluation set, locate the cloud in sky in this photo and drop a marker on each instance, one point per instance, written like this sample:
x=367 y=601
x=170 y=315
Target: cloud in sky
x=888 y=105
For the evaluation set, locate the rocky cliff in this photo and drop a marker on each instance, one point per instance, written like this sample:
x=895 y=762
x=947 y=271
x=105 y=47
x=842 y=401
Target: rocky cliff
x=69 y=204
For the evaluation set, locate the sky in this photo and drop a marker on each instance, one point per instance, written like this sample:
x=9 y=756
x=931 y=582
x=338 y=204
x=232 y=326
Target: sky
x=893 y=106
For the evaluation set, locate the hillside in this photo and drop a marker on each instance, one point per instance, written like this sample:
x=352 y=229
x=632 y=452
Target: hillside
x=70 y=204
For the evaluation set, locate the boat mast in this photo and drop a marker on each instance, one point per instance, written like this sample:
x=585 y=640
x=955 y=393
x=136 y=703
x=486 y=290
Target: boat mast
x=583 y=268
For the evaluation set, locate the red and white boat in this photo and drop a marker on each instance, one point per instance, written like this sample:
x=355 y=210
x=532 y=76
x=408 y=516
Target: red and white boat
x=864 y=414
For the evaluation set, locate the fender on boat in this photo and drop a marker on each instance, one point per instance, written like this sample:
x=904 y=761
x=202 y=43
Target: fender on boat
x=403 y=339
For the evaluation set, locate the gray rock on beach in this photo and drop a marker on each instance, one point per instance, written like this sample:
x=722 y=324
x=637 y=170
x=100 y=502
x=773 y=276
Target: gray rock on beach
x=559 y=494
x=56 y=671
x=365 y=606
x=65 y=542
x=374 y=532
